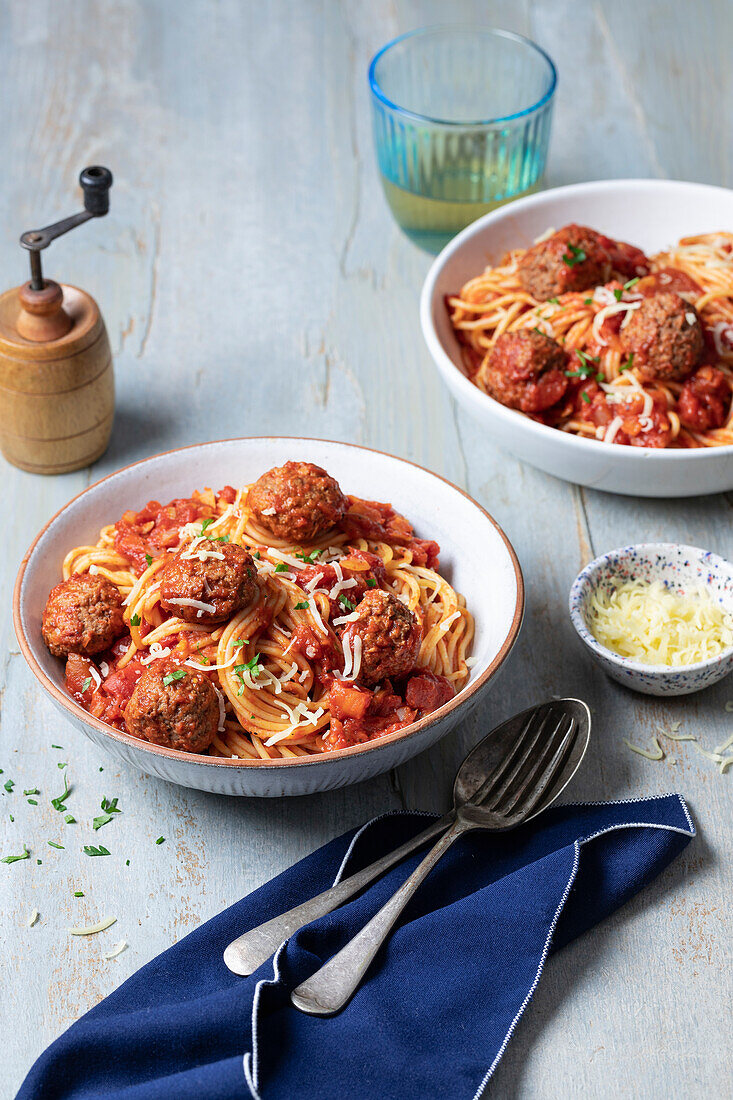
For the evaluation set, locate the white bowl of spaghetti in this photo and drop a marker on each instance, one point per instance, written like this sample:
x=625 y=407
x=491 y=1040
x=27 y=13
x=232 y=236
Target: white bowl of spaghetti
x=278 y=729
x=685 y=226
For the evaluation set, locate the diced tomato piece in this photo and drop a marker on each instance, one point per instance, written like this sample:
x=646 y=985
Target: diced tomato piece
x=348 y=700
x=426 y=692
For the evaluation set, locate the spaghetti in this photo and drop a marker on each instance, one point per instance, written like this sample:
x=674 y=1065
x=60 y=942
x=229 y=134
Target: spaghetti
x=286 y=675
x=608 y=395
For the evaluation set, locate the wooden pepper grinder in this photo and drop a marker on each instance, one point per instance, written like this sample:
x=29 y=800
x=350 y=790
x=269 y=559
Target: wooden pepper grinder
x=56 y=382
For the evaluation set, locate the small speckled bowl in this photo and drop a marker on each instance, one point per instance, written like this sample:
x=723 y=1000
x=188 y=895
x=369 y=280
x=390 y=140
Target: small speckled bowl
x=679 y=568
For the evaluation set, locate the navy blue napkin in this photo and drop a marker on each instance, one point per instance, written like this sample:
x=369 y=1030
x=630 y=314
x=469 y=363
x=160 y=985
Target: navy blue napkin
x=439 y=1005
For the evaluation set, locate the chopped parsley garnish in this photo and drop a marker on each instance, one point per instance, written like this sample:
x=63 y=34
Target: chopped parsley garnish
x=239 y=643
x=221 y=538
x=346 y=603
x=109 y=808
x=160 y=840
x=78 y=893
x=135 y=620
x=574 y=256
x=14 y=859
x=53 y=844
x=148 y=560
x=631 y=282
x=371 y=582
x=257 y=555
x=87 y=682
x=586 y=368
x=587 y=301
x=253 y=667
x=586 y=397
x=8 y=785
x=618 y=294
x=169 y=677
x=207 y=523
x=302 y=605
x=281 y=567
x=58 y=802
x=309 y=558
x=629 y=363
x=33 y=790
x=90 y=850
x=554 y=301
x=538 y=331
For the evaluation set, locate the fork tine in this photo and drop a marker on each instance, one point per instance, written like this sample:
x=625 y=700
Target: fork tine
x=516 y=761
x=537 y=781
x=523 y=747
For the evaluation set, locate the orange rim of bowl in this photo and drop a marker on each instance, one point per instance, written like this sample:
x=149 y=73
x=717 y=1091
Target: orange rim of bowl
x=78 y=712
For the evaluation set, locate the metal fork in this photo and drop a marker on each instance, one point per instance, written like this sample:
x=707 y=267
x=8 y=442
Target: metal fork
x=504 y=800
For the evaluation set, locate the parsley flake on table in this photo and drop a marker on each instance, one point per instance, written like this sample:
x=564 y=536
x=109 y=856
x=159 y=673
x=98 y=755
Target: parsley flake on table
x=53 y=844
x=78 y=893
x=109 y=809
x=70 y=820
x=160 y=840
x=90 y=850
x=169 y=677
x=14 y=859
x=8 y=785
x=32 y=790
x=59 y=800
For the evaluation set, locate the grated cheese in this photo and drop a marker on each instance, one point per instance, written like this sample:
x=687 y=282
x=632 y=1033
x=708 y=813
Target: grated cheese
x=116 y=950
x=182 y=601
x=156 y=653
x=657 y=626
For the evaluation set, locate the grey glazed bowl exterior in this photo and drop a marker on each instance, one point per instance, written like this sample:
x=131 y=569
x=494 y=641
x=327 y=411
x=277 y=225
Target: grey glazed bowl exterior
x=678 y=567
x=476 y=557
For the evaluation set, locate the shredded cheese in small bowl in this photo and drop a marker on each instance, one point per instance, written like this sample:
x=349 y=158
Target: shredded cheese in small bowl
x=658 y=626
x=658 y=617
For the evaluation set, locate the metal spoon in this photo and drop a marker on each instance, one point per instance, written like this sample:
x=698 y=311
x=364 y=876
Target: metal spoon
x=245 y=954
x=524 y=783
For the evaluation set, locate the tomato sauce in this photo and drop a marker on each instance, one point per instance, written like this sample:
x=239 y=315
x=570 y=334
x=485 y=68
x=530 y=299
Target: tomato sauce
x=370 y=519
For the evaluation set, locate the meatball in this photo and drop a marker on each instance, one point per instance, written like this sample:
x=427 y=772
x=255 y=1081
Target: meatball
x=665 y=337
x=216 y=573
x=178 y=711
x=390 y=637
x=704 y=402
x=525 y=370
x=297 y=502
x=574 y=258
x=82 y=615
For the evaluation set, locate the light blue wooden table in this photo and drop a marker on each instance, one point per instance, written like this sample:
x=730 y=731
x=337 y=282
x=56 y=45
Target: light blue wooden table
x=249 y=255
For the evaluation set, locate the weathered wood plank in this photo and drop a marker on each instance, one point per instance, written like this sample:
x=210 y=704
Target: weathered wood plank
x=248 y=257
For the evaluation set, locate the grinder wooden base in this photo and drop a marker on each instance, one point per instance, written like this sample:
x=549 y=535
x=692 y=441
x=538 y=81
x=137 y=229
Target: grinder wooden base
x=56 y=396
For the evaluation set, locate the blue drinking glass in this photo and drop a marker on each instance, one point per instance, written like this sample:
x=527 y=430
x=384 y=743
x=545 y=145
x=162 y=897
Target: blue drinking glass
x=461 y=118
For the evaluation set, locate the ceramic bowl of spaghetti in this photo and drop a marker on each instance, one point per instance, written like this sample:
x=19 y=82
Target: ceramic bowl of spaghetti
x=589 y=329
x=657 y=617
x=268 y=616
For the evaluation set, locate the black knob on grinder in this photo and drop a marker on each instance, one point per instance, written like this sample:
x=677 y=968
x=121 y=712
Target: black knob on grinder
x=95 y=183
